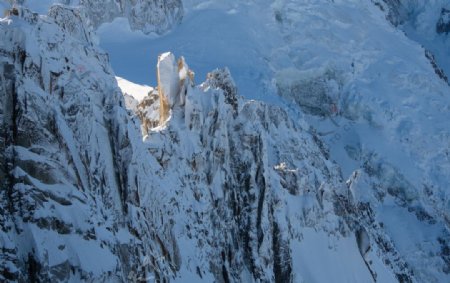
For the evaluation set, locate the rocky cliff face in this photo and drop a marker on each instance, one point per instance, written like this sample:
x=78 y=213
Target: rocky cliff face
x=148 y=16
x=358 y=110
x=71 y=184
x=245 y=183
x=396 y=11
x=261 y=195
x=236 y=184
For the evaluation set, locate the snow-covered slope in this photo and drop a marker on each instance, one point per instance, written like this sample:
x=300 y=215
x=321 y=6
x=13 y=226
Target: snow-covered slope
x=148 y=16
x=133 y=93
x=138 y=92
x=72 y=162
x=253 y=196
x=369 y=91
x=384 y=117
x=83 y=199
x=344 y=180
x=426 y=22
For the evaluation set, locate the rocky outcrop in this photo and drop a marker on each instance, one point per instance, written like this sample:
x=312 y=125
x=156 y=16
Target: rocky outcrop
x=395 y=10
x=224 y=152
x=247 y=185
x=316 y=92
x=416 y=15
x=443 y=24
x=71 y=192
x=149 y=111
x=171 y=83
x=436 y=68
x=148 y=16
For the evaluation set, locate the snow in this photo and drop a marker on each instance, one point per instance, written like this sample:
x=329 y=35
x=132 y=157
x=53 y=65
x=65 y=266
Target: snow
x=415 y=239
x=3 y=8
x=420 y=26
x=383 y=79
x=137 y=91
x=208 y=38
x=391 y=108
x=73 y=224
x=168 y=78
x=384 y=119
x=39 y=6
x=317 y=250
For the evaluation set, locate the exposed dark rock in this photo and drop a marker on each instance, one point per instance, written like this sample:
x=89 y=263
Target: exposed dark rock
x=443 y=24
x=440 y=72
x=221 y=78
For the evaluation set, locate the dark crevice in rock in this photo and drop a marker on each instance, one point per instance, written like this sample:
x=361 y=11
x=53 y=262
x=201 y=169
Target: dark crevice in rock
x=439 y=71
x=261 y=183
x=445 y=252
x=34 y=269
x=226 y=278
x=282 y=265
x=119 y=172
x=11 y=130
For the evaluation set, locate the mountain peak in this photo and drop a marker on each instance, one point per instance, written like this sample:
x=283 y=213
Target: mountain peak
x=339 y=173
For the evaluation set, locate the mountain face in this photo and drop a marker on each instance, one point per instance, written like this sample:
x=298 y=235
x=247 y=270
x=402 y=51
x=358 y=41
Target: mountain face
x=147 y=16
x=72 y=175
x=194 y=183
x=426 y=22
x=156 y=16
